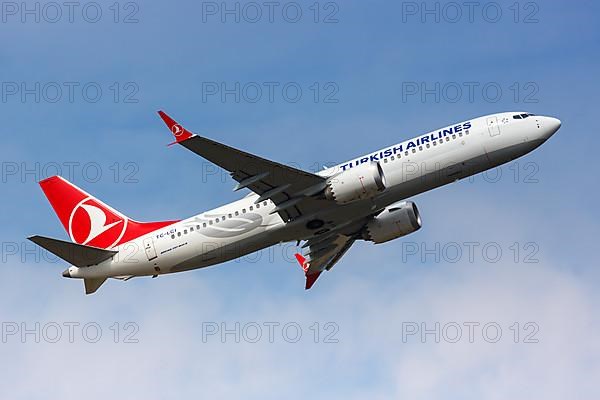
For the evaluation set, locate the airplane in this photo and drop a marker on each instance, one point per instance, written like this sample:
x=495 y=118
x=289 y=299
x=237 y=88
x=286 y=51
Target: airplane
x=366 y=198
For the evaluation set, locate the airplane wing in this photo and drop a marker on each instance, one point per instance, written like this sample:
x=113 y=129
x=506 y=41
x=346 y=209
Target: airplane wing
x=289 y=188
x=322 y=255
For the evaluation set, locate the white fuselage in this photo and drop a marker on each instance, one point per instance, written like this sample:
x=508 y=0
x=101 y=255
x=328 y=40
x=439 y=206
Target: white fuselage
x=411 y=167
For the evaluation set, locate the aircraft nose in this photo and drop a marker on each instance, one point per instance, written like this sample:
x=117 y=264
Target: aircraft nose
x=66 y=273
x=551 y=125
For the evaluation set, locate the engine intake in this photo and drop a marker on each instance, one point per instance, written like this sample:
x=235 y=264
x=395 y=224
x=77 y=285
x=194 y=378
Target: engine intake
x=395 y=221
x=357 y=183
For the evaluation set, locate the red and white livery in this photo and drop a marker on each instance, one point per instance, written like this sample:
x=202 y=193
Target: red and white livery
x=362 y=199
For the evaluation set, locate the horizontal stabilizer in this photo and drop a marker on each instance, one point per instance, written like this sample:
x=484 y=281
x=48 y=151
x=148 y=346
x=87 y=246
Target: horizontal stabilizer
x=78 y=255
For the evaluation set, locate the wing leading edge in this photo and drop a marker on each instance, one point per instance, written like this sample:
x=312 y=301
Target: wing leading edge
x=288 y=187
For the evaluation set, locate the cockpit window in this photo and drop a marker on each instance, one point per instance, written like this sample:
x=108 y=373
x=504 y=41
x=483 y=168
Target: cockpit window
x=522 y=116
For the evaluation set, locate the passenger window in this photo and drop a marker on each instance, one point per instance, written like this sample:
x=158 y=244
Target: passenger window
x=392 y=158
x=191 y=229
x=447 y=139
x=453 y=137
x=251 y=208
x=243 y=211
x=265 y=203
x=413 y=150
x=178 y=233
x=406 y=153
x=460 y=134
x=197 y=227
x=435 y=143
x=185 y=231
x=217 y=221
x=385 y=160
x=257 y=205
x=210 y=222
x=427 y=145
x=229 y=215
x=237 y=213
x=204 y=225
x=172 y=236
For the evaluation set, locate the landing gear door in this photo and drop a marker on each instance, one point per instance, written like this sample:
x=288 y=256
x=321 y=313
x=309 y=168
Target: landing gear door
x=149 y=249
x=492 y=124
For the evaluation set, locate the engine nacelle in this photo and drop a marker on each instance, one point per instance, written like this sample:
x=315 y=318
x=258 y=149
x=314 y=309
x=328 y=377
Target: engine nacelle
x=395 y=221
x=357 y=183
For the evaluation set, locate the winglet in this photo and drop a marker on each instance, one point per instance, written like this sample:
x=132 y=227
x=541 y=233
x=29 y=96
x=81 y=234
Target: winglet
x=302 y=262
x=177 y=130
x=310 y=278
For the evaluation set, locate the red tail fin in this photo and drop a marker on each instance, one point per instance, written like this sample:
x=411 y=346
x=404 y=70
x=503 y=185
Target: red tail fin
x=89 y=221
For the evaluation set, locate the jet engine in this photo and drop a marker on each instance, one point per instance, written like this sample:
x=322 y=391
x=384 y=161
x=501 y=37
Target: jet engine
x=395 y=221
x=357 y=183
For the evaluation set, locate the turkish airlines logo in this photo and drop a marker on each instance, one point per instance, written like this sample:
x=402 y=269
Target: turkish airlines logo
x=93 y=224
x=177 y=130
x=305 y=266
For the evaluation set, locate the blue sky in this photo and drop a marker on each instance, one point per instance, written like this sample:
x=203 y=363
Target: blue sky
x=544 y=204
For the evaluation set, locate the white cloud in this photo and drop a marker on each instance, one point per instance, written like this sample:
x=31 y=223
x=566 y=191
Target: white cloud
x=369 y=360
